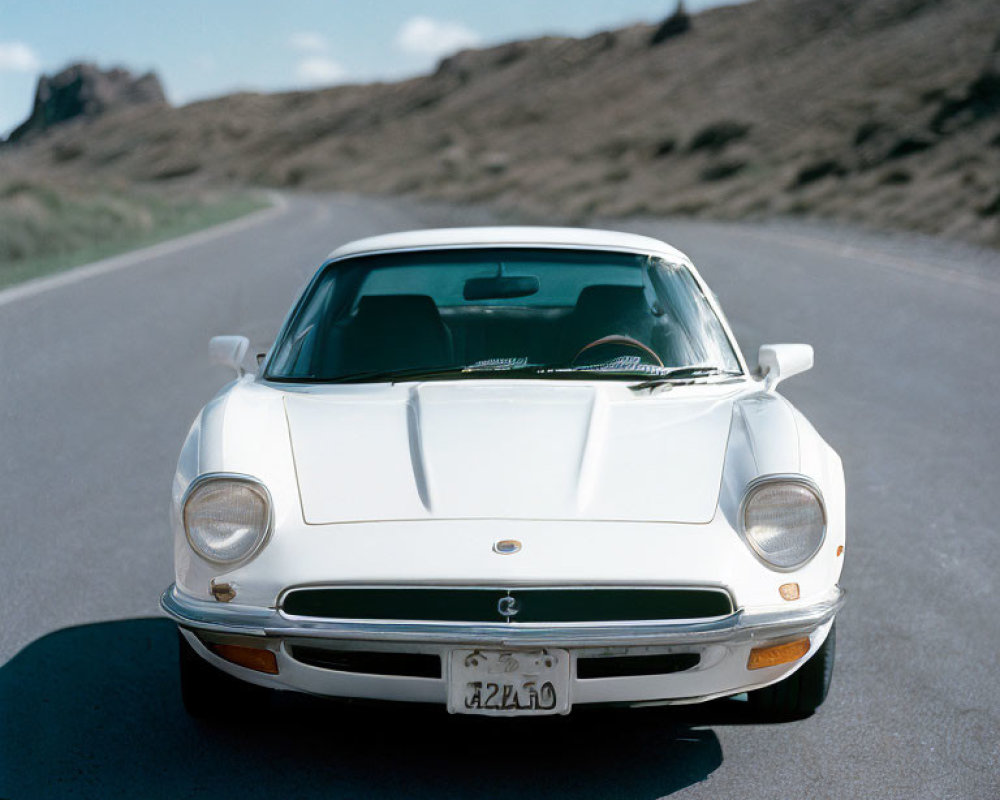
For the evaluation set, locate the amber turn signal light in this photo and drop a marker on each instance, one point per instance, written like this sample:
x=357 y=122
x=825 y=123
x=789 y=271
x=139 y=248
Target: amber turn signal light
x=789 y=591
x=223 y=592
x=761 y=657
x=254 y=658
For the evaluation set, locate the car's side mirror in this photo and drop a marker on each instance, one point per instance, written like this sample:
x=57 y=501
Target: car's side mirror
x=780 y=361
x=229 y=351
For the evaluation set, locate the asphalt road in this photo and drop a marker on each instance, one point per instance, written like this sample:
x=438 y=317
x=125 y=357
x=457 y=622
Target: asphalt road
x=101 y=376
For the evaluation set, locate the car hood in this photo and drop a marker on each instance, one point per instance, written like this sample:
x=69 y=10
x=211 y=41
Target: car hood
x=510 y=450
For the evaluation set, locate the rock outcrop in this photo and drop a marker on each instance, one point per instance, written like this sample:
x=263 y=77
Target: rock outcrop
x=85 y=90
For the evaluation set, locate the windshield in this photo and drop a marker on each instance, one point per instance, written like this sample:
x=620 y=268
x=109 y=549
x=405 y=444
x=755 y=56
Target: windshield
x=516 y=311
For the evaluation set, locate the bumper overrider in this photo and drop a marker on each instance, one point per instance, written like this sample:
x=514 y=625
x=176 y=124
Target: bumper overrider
x=619 y=662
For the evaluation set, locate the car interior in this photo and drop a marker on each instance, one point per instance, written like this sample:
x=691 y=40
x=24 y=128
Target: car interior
x=394 y=332
x=543 y=310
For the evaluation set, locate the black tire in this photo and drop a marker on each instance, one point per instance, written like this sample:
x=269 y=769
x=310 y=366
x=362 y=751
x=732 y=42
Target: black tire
x=800 y=694
x=208 y=692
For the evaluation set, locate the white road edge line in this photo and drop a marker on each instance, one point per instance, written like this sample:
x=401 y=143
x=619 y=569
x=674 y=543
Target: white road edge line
x=908 y=266
x=22 y=291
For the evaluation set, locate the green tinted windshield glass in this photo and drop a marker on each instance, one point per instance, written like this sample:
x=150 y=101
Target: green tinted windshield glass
x=620 y=313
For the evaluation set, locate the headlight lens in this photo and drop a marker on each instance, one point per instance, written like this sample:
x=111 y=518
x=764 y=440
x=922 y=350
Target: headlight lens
x=784 y=522
x=227 y=518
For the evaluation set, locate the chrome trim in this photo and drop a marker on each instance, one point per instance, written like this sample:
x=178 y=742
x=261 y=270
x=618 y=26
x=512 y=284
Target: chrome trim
x=740 y=626
x=257 y=485
x=764 y=480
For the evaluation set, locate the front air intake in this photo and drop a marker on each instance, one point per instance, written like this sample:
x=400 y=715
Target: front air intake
x=412 y=665
x=514 y=605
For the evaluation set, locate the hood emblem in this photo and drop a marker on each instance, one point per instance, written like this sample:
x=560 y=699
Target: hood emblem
x=506 y=547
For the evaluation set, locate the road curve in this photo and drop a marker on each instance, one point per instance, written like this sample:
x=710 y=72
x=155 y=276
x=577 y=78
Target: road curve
x=100 y=378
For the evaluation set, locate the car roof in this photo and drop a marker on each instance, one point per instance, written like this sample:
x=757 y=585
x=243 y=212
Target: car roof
x=508 y=236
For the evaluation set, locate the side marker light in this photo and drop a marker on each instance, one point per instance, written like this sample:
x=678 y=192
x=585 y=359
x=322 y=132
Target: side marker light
x=772 y=656
x=255 y=658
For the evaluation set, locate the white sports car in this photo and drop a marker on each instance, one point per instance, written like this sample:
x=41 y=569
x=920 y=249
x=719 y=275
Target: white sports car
x=511 y=471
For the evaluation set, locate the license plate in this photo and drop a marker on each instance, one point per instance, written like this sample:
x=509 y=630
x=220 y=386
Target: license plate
x=507 y=683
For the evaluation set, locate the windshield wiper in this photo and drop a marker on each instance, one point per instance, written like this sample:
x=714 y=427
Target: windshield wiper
x=499 y=370
x=682 y=373
x=615 y=368
x=432 y=373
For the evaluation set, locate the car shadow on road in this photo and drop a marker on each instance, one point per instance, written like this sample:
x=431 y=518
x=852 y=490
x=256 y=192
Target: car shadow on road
x=95 y=711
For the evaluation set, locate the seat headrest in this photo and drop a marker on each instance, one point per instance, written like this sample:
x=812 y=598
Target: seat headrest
x=607 y=300
x=387 y=306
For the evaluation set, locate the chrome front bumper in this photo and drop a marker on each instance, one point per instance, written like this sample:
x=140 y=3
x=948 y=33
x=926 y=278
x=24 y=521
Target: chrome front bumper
x=739 y=627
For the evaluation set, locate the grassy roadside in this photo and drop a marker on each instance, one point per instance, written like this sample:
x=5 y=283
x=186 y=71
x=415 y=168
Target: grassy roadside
x=47 y=227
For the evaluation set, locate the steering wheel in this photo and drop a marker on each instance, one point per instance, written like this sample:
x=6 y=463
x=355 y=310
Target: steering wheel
x=618 y=339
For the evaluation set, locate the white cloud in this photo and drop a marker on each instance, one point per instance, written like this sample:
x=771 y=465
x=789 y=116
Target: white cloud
x=308 y=42
x=319 y=70
x=423 y=36
x=18 y=57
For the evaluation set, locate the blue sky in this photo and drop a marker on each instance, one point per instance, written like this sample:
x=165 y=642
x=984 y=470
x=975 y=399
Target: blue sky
x=203 y=48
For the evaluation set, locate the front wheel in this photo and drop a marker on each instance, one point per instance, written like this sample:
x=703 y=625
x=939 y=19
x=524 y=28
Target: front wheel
x=801 y=693
x=207 y=691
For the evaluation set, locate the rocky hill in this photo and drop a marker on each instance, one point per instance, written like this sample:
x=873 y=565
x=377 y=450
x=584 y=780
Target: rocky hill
x=85 y=90
x=881 y=112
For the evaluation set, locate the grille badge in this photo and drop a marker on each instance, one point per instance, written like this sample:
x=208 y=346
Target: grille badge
x=507 y=606
x=506 y=547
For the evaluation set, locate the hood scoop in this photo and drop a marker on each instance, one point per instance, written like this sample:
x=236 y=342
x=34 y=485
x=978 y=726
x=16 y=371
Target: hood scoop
x=506 y=451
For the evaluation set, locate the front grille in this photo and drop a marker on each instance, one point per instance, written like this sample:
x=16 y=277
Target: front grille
x=515 y=605
x=624 y=666
x=413 y=665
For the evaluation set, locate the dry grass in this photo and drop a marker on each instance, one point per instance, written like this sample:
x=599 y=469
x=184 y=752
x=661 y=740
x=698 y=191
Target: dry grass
x=48 y=224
